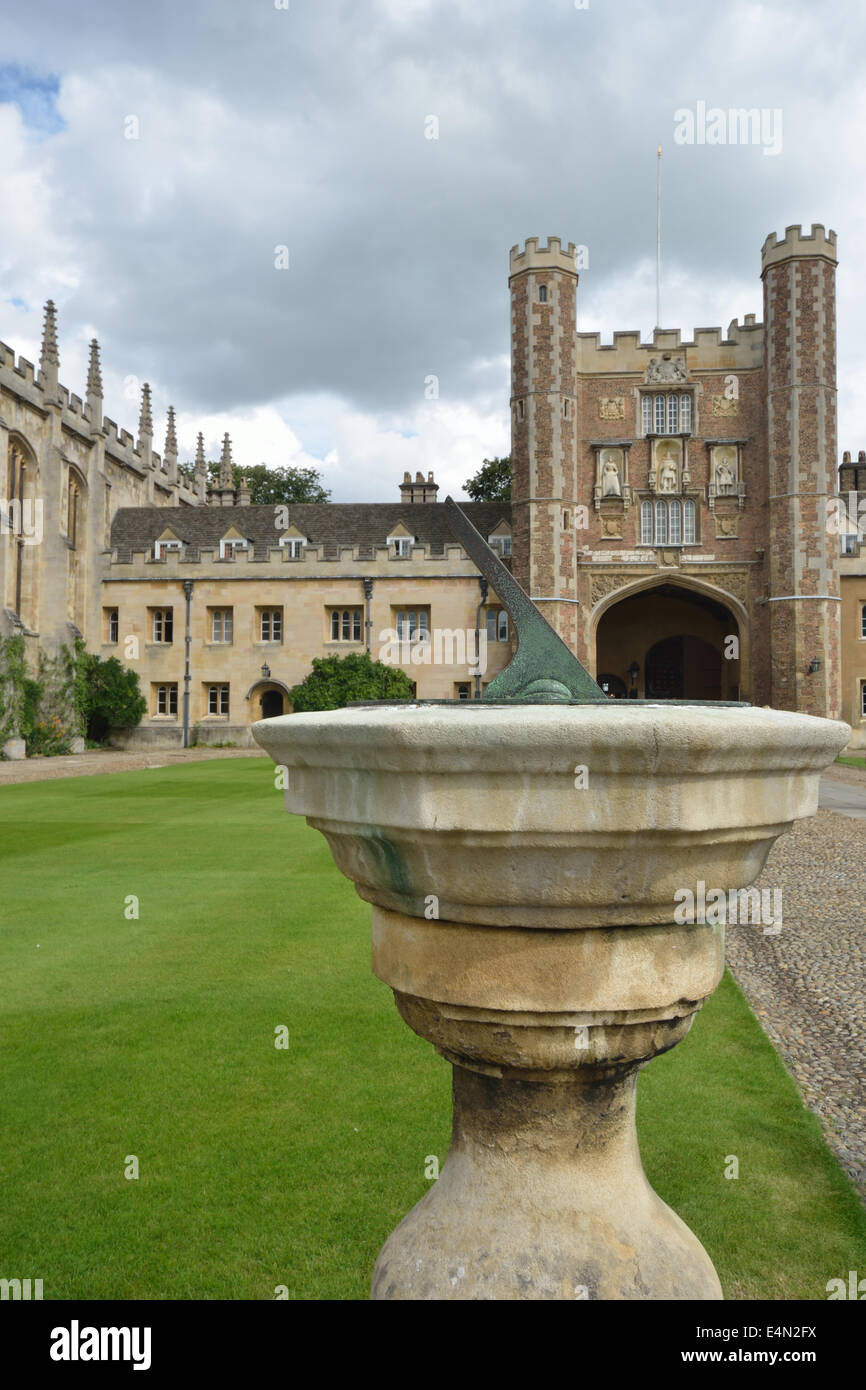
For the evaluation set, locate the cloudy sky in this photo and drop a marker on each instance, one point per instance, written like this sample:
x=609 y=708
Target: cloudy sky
x=155 y=157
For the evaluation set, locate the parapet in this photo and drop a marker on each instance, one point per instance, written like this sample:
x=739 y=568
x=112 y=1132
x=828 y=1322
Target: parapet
x=710 y=351
x=549 y=257
x=797 y=244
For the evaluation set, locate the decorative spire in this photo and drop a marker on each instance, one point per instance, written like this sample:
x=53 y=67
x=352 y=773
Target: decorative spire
x=49 y=359
x=145 y=420
x=200 y=469
x=170 y=434
x=49 y=338
x=94 y=371
x=94 y=387
x=169 y=453
x=226 y=469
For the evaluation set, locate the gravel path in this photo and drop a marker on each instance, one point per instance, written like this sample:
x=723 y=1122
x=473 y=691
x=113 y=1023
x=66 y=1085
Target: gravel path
x=808 y=984
x=107 y=760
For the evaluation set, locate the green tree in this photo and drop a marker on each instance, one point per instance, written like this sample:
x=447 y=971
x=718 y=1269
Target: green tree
x=270 y=485
x=107 y=695
x=492 y=482
x=335 y=680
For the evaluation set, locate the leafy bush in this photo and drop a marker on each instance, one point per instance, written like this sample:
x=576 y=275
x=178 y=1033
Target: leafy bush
x=336 y=680
x=107 y=695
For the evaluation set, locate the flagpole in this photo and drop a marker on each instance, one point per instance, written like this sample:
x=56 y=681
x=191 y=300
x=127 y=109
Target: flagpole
x=658 y=236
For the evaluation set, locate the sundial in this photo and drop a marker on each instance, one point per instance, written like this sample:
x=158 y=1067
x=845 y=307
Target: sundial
x=543 y=670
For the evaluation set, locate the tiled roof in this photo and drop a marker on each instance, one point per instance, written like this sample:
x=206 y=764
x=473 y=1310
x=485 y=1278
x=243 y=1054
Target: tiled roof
x=359 y=524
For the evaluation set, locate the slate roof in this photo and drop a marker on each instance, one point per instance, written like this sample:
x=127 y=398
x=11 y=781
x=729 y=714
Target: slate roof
x=359 y=524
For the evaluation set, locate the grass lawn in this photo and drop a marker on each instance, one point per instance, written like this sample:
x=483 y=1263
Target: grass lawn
x=852 y=762
x=261 y=1167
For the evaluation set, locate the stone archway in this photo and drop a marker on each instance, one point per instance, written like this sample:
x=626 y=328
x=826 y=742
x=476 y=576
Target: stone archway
x=679 y=638
x=263 y=696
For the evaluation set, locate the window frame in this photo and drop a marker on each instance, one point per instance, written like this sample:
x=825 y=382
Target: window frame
x=113 y=626
x=224 y=617
x=668 y=521
x=417 y=620
x=342 y=617
x=274 y=617
x=166 y=692
x=218 y=693
x=165 y=617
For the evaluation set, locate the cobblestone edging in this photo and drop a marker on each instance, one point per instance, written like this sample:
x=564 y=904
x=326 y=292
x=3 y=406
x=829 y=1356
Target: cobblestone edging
x=807 y=986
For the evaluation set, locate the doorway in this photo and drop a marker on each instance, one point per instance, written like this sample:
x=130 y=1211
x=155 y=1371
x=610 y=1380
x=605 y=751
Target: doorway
x=272 y=704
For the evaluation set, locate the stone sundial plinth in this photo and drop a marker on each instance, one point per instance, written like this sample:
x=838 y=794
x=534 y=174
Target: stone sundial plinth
x=524 y=916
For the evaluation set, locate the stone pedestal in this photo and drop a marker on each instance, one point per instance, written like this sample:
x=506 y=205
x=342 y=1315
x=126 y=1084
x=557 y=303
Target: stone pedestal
x=14 y=749
x=524 y=864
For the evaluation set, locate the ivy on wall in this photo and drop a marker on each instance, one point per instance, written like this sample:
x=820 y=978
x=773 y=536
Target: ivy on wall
x=74 y=694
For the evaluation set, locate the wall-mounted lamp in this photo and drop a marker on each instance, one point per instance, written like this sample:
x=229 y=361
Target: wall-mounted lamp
x=266 y=671
x=814 y=665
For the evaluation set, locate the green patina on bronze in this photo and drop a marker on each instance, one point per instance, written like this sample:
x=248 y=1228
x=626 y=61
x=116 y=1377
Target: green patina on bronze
x=542 y=670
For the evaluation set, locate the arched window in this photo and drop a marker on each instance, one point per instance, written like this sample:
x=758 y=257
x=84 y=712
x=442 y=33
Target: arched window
x=72 y=508
x=502 y=625
x=542 y=294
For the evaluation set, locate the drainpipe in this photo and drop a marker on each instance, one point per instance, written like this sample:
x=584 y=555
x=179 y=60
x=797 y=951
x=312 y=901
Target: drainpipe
x=483 y=585
x=187 y=641
x=368 y=621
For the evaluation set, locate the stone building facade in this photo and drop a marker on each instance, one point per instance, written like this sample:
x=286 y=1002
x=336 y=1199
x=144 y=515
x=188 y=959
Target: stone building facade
x=670 y=498
x=669 y=516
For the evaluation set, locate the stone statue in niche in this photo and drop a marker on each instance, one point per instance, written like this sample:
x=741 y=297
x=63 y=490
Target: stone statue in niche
x=667 y=465
x=611 y=484
x=725 y=474
x=666 y=368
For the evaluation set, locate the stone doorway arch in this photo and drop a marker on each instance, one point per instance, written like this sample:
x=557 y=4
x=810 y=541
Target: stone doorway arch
x=688 y=642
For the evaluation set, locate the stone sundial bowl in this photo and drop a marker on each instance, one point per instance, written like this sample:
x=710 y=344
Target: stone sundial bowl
x=525 y=861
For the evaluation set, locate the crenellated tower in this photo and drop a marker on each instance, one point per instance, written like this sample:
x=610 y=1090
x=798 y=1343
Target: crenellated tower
x=799 y=273
x=543 y=285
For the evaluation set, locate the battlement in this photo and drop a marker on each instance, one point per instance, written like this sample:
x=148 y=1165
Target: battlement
x=376 y=561
x=548 y=257
x=797 y=244
x=707 y=351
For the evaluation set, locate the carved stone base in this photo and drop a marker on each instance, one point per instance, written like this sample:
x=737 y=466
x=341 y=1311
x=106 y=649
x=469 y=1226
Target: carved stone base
x=543 y=1196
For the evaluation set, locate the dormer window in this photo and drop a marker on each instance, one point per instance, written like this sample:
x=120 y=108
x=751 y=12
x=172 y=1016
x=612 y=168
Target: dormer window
x=230 y=545
x=160 y=547
x=402 y=546
x=293 y=546
x=501 y=544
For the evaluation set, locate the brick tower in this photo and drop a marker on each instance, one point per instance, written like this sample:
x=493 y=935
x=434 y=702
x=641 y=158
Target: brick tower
x=800 y=324
x=543 y=285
